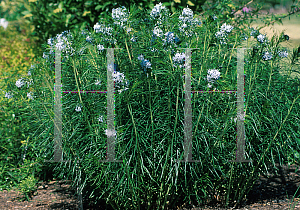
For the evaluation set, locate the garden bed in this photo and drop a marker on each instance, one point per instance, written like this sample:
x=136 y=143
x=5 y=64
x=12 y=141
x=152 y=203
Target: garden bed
x=273 y=192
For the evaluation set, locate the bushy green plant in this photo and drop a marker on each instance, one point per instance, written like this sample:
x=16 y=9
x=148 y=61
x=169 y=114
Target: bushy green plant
x=18 y=52
x=149 y=103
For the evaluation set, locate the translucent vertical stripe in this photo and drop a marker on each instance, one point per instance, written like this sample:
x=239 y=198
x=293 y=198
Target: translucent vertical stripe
x=110 y=105
x=57 y=109
x=240 y=107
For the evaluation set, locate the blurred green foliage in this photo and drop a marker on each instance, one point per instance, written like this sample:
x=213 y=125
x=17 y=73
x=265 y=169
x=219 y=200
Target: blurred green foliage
x=12 y=10
x=51 y=17
x=17 y=52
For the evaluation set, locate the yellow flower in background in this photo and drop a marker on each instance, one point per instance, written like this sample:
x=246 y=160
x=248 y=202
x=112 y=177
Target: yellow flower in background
x=190 y=3
x=57 y=10
x=85 y=13
x=28 y=15
x=231 y=6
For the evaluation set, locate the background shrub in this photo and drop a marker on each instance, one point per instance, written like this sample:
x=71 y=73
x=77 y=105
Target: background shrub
x=52 y=17
x=18 y=51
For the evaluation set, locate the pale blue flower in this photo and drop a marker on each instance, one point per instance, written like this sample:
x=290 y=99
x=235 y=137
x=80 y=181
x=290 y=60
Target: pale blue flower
x=20 y=83
x=146 y=64
x=213 y=74
x=120 y=91
x=133 y=39
x=59 y=45
x=253 y=32
x=220 y=34
x=120 y=15
x=197 y=21
x=29 y=83
x=30 y=96
x=261 y=38
x=106 y=33
x=100 y=118
x=63 y=44
x=184 y=25
x=100 y=47
x=187 y=15
x=157 y=31
x=188 y=22
x=78 y=109
x=178 y=58
x=141 y=57
x=103 y=29
x=226 y=28
x=29 y=73
x=118 y=77
x=8 y=95
x=50 y=41
x=283 y=54
x=97 y=27
x=170 y=38
x=156 y=11
x=45 y=56
x=88 y=39
x=160 y=13
x=153 y=49
x=267 y=56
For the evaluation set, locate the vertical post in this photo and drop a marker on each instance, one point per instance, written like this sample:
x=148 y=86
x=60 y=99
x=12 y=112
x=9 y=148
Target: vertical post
x=188 y=123
x=111 y=132
x=79 y=191
x=58 y=154
x=240 y=108
x=57 y=109
x=110 y=106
